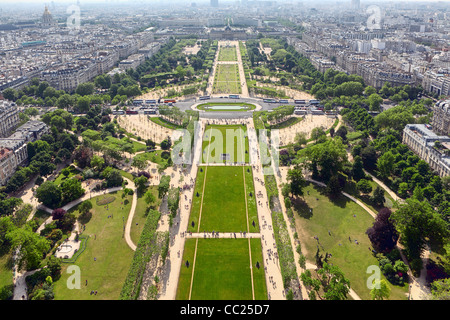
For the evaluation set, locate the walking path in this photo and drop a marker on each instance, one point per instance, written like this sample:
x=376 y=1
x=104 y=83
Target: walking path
x=89 y=195
x=269 y=248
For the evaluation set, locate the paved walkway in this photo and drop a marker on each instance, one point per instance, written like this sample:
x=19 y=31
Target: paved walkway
x=274 y=279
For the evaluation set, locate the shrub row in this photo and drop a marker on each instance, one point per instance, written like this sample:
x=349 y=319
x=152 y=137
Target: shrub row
x=146 y=247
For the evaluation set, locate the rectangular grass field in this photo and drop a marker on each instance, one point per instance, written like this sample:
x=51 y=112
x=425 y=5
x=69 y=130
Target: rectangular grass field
x=225 y=144
x=228 y=54
x=227 y=79
x=226 y=201
x=222 y=270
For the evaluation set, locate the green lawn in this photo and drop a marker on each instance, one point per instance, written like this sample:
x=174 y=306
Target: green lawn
x=228 y=54
x=245 y=106
x=227 y=139
x=227 y=79
x=337 y=216
x=140 y=215
x=107 y=245
x=60 y=178
x=6 y=274
x=164 y=123
x=118 y=143
x=222 y=270
x=153 y=156
x=224 y=207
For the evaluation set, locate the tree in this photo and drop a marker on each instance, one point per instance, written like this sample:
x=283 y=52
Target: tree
x=9 y=205
x=149 y=197
x=83 y=156
x=381 y=290
x=64 y=101
x=166 y=144
x=334 y=187
x=440 y=289
x=385 y=164
x=364 y=186
x=328 y=157
x=140 y=183
x=83 y=104
x=300 y=138
x=85 y=206
x=49 y=193
x=317 y=134
x=378 y=196
x=369 y=90
x=164 y=185
x=369 y=157
x=150 y=144
x=85 y=89
x=331 y=281
x=342 y=132
x=32 y=246
x=403 y=189
x=418 y=223
x=383 y=234
x=374 y=101
x=71 y=189
x=58 y=214
x=296 y=181
x=139 y=163
x=358 y=169
x=97 y=162
x=10 y=94
x=113 y=177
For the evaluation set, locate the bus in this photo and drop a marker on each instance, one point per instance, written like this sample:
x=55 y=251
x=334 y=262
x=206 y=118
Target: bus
x=233 y=96
x=205 y=98
x=131 y=112
x=314 y=101
x=138 y=102
x=169 y=101
x=300 y=101
x=150 y=101
x=269 y=100
x=283 y=101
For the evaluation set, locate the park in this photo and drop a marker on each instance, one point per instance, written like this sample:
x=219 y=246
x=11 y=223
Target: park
x=228 y=225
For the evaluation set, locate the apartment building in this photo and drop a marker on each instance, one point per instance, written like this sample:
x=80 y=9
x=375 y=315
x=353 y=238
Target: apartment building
x=7 y=164
x=441 y=117
x=429 y=146
x=9 y=117
x=14 y=150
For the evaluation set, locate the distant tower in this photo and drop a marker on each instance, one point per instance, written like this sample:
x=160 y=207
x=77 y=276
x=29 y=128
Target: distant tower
x=47 y=19
x=214 y=3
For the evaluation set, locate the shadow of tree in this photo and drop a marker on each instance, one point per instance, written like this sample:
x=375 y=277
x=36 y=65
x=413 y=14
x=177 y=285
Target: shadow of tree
x=302 y=208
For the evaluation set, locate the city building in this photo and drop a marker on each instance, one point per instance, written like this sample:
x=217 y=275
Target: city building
x=14 y=150
x=441 y=117
x=7 y=165
x=432 y=148
x=9 y=118
x=47 y=19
